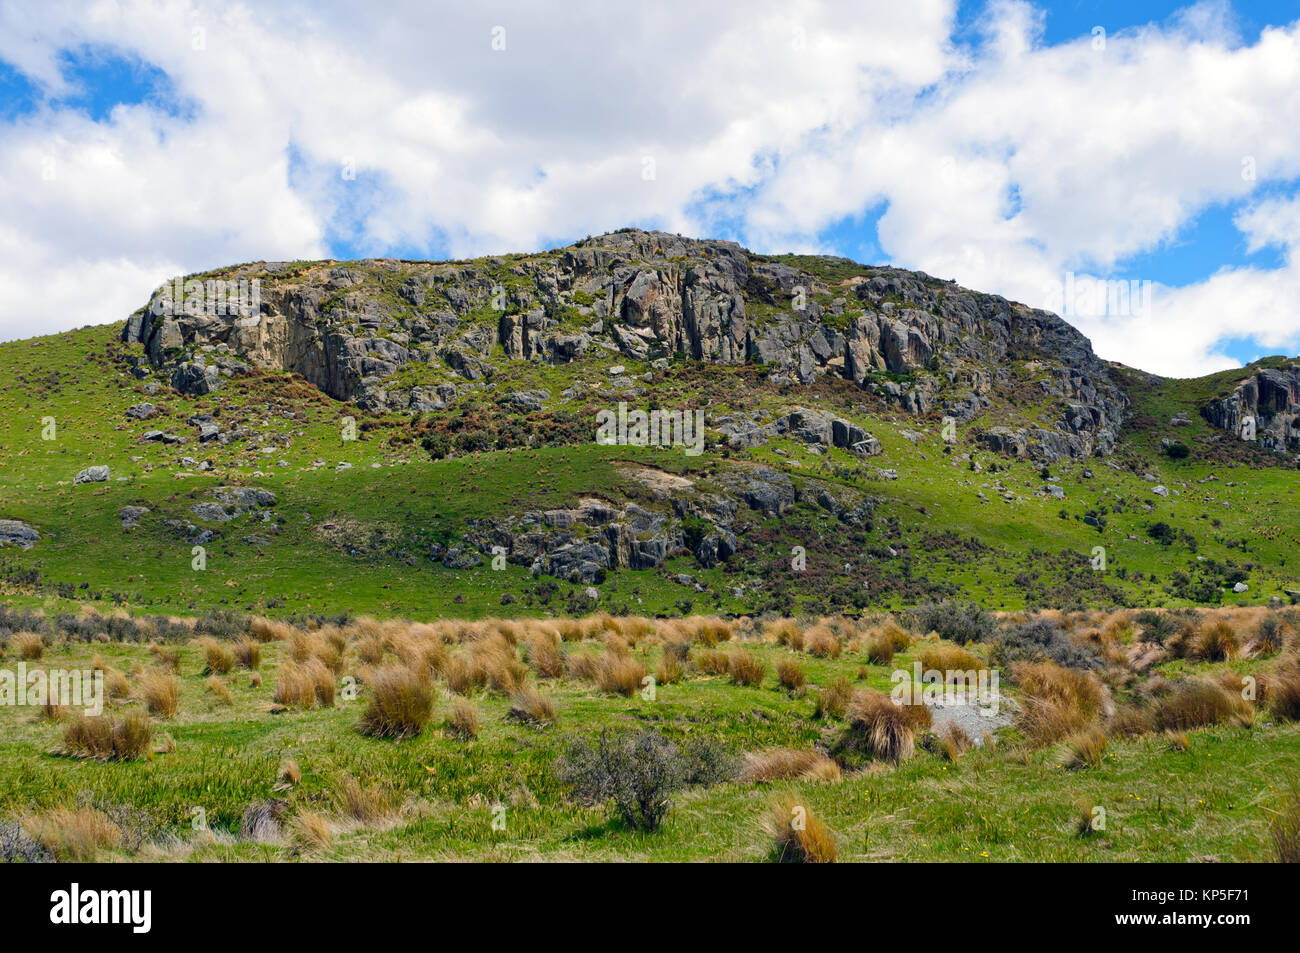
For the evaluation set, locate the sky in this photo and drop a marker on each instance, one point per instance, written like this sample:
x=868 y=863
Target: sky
x=1133 y=166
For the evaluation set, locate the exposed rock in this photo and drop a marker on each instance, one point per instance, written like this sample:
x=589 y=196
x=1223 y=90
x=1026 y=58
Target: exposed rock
x=142 y=411
x=95 y=474
x=17 y=533
x=1264 y=407
x=131 y=515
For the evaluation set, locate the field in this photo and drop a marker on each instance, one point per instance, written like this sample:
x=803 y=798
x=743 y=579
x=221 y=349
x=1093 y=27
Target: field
x=351 y=738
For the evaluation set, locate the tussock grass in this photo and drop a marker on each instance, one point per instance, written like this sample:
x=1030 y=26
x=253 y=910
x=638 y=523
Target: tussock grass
x=105 y=739
x=543 y=654
x=1084 y=750
x=785 y=632
x=73 y=834
x=788 y=764
x=218 y=658
x=949 y=658
x=833 y=700
x=1056 y=702
x=29 y=646
x=619 y=674
x=1284 y=830
x=219 y=690
x=798 y=835
x=1198 y=703
x=531 y=707
x=821 y=642
x=311 y=830
x=1217 y=641
x=463 y=719
x=790 y=675
x=877 y=728
x=745 y=669
x=248 y=654
x=166 y=658
x=400 y=703
x=953 y=741
x=367 y=804
x=161 y=692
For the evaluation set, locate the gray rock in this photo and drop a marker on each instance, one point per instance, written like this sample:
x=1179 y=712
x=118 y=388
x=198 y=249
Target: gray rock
x=95 y=474
x=17 y=533
x=131 y=515
x=142 y=411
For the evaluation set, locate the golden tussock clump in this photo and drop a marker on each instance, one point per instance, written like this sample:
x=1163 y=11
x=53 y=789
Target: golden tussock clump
x=531 y=707
x=400 y=703
x=798 y=835
x=878 y=728
x=790 y=675
x=102 y=738
x=1199 y=703
x=1056 y=702
x=269 y=630
x=785 y=632
x=670 y=669
x=788 y=764
x=166 y=658
x=879 y=648
x=1084 y=750
x=954 y=741
x=248 y=654
x=745 y=669
x=73 y=834
x=311 y=831
x=218 y=688
x=949 y=658
x=29 y=646
x=288 y=775
x=161 y=692
x=713 y=663
x=463 y=719
x=305 y=684
x=833 y=700
x=543 y=654
x=367 y=804
x=218 y=658
x=821 y=641
x=619 y=674
x=1217 y=641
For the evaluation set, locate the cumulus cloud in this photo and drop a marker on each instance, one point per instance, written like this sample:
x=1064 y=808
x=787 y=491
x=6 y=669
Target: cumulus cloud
x=449 y=129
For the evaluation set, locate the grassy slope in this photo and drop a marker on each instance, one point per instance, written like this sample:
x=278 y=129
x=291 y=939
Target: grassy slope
x=1037 y=547
x=989 y=805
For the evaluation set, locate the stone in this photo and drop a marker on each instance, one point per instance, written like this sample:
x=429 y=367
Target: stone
x=95 y=474
x=17 y=533
x=131 y=515
x=142 y=411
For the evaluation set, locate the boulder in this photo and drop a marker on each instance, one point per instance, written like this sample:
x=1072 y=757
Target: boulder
x=95 y=474
x=17 y=533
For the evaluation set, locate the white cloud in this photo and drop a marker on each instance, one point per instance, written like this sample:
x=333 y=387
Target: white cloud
x=1002 y=165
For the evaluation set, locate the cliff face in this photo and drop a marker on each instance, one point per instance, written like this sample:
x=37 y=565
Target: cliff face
x=923 y=344
x=1268 y=402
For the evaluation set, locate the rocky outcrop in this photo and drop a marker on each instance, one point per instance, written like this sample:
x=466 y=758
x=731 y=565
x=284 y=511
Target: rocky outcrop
x=920 y=343
x=1264 y=407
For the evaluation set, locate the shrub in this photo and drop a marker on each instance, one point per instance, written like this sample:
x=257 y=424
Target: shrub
x=833 y=700
x=1056 y=702
x=1084 y=750
x=400 y=703
x=1156 y=626
x=1040 y=639
x=745 y=669
x=959 y=622
x=102 y=738
x=161 y=692
x=788 y=764
x=532 y=708
x=879 y=728
x=790 y=675
x=638 y=773
x=799 y=836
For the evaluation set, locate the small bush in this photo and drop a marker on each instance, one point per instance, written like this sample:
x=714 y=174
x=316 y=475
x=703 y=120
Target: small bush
x=637 y=773
x=959 y=622
x=29 y=646
x=1040 y=639
x=799 y=836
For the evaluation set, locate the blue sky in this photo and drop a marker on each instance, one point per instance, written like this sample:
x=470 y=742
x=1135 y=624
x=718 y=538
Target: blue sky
x=180 y=139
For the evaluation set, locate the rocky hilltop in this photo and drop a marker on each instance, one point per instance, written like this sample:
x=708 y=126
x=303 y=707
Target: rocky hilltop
x=363 y=331
x=1264 y=407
